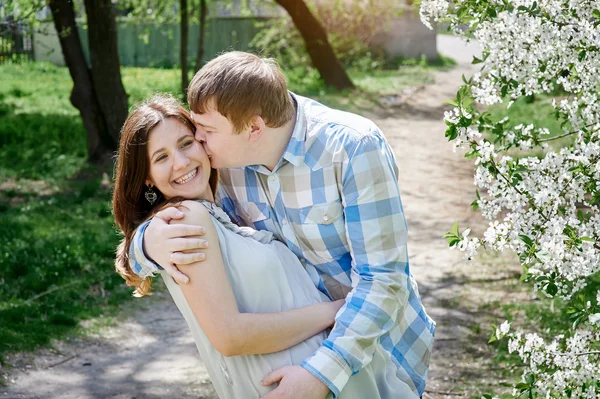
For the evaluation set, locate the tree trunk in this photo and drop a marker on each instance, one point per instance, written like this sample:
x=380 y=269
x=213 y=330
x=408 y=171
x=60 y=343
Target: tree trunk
x=83 y=96
x=200 y=53
x=183 y=9
x=317 y=45
x=106 y=71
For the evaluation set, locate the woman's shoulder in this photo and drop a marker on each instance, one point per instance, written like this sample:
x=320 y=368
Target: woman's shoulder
x=197 y=208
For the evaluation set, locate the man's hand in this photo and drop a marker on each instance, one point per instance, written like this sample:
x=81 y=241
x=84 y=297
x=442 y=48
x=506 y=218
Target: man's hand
x=295 y=382
x=170 y=244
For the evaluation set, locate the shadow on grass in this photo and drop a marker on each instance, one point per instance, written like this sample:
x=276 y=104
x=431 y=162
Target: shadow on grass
x=56 y=264
x=40 y=146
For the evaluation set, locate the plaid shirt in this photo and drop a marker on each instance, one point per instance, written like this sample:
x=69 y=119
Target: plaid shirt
x=334 y=200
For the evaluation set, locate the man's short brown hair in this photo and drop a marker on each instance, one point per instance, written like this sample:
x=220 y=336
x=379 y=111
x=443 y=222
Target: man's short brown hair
x=242 y=85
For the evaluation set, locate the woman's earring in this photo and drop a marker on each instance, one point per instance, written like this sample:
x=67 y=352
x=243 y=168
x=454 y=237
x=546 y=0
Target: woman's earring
x=150 y=196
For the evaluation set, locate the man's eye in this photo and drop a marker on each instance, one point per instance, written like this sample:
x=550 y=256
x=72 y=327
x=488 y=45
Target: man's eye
x=187 y=143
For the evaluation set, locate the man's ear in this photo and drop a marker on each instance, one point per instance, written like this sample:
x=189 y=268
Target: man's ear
x=256 y=128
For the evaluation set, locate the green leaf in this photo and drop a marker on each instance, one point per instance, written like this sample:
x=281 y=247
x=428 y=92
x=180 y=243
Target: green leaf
x=562 y=210
x=452 y=132
x=455 y=229
x=552 y=289
x=528 y=242
x=530 y=379
x=596 y=14
x=588 y=239
x=472 y=154
x=581 y=55
x=476 y=60
x=453 y=242
x=494 y=337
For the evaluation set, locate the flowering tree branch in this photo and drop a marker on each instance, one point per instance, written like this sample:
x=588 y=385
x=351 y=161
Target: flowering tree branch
x=544 y=208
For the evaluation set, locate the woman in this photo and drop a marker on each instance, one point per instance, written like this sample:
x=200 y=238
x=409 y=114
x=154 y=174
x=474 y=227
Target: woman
x=250 y=299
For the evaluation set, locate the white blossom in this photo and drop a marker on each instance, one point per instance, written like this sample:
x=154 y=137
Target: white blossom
x=505 y=327
x=543 y=208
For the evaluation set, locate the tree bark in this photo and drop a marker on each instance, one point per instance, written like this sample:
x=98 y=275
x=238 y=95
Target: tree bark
x=106 y=70
x=317 y=45
x=183 y=9
x=83 y=96
x=202 y=35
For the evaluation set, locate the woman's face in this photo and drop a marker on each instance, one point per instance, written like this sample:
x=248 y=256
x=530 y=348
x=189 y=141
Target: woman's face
x=179 y=165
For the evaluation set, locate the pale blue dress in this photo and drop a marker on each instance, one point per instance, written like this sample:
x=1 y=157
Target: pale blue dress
x=267 y=277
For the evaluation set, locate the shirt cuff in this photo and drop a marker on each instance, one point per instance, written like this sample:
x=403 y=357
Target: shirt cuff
x=139 y=263
x=330 y=368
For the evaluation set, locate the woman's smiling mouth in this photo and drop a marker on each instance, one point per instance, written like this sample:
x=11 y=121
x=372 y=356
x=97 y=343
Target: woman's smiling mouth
x=186 y=178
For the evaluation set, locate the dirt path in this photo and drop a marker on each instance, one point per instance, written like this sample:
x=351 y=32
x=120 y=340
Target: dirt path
x=150 y=354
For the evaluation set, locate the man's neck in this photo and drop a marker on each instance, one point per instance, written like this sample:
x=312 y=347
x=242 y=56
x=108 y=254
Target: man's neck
x=277 y=140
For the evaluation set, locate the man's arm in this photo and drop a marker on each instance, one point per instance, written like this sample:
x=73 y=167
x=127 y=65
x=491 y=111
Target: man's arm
x=158 y=244
x=376 y=232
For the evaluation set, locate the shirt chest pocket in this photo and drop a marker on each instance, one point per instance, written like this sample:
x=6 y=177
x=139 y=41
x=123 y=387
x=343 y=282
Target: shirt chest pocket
x=322 y=213
x=322 y=231
x=253 y=214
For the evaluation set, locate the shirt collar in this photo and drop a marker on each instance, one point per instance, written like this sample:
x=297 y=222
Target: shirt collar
x=295 y=150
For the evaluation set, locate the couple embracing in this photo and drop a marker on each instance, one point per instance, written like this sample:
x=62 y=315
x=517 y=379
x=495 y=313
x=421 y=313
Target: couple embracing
x=277 y=227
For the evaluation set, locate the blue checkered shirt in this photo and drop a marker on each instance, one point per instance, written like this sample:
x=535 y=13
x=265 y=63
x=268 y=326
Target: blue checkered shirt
x=334 y=200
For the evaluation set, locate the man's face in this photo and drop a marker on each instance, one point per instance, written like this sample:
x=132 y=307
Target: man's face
x=225 y=148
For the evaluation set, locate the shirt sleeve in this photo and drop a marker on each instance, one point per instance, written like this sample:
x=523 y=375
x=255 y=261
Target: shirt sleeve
x=376 y=232
x=138 y=261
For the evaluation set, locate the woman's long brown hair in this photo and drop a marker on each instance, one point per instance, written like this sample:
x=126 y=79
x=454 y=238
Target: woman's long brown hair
x=130 y=207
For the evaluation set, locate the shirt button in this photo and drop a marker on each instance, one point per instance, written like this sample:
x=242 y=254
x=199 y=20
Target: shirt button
x=272 y=177
x=325 y=218
x=284 y=221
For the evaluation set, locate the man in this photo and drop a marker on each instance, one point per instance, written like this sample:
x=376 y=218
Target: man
x=325 y=183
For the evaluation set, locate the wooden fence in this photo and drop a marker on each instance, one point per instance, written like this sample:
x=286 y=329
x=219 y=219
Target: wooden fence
x=16 y=43
x=148 y=45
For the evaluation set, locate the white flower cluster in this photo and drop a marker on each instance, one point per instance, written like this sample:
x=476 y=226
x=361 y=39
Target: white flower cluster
x=544 y=208
x=574 y=367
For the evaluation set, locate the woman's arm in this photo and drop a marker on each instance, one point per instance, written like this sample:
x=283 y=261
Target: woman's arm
x=213 y=303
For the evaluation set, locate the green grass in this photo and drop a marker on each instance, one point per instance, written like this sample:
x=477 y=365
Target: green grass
x=57 y=234
x=400 y=74
x=536 y=110
x=56 y=264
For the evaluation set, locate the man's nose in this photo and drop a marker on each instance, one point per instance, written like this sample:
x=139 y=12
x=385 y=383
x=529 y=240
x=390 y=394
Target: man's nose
x=200 y=134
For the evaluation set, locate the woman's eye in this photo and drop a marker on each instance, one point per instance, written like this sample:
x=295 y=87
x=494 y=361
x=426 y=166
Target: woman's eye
x=187 y=143
x=160 y=158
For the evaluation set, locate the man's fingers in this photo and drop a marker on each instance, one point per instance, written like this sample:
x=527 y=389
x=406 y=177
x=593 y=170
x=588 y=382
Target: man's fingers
x=169 y=213
x=181 y=258
x=184 y=230
x=176 y=274
x=273 y=377
x=186 y=244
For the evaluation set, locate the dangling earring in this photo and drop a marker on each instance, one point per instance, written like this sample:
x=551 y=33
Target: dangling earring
x=150 y=196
